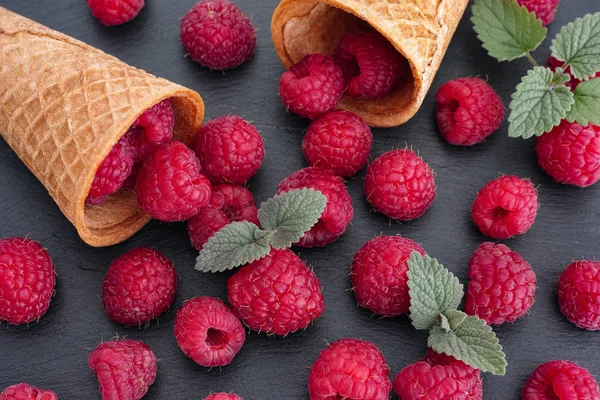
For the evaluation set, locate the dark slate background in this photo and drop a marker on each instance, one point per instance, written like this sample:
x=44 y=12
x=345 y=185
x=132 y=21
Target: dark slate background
x=53 y=352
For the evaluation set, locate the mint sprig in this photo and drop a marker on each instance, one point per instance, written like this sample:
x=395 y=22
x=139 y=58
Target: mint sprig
x=578 y=45
x=586 y=108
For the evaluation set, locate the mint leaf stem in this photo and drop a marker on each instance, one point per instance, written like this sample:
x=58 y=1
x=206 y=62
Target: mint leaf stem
x=531 y=59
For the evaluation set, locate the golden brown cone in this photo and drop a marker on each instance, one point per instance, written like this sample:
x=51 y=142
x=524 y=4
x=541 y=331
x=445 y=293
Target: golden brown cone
x=63 y=106
x=419 y=29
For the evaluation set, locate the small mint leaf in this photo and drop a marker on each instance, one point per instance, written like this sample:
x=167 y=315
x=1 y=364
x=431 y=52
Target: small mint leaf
x=235 y=244
x=559 y=77
x=289 y=215
x=578 y=45
x=507 y=30
x=470 y=340
x=444 y=323
x=432 y=289
x=587 y=103
x=538 y=104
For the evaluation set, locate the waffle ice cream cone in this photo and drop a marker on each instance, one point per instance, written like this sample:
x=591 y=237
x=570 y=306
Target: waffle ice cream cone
x=63 y=106
x=419 y=29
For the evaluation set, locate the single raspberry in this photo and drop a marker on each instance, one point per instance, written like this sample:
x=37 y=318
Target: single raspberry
x=230 y=149
x=338 y=212
x=543 y=9
x=554 y=63
x=502 y=284
x=223 y=396
x=125 y=369
x=579 y=294
x=378 y=274
x=349 y=369
x=24 y=391
x=217 y=34
x=170 y=186
x=228 y=203
x=400 y=185
x=370 y=64
x=208 y=332
x=570 y=153
x=115 y=12
x=151 y=129
x=505 y=207
x=467 y=110
x=26 y=280
x=473 y=375
x=277 y=294
x=561 y=380
x=312 y=87
x=339 y=141
x=139 y=286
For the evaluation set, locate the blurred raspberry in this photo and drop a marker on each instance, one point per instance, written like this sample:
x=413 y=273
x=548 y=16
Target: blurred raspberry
x=543 y=9
x=115 y=12
x=24 y=391
x=223 y=396
x=112 y=173
x=561 y=380
x=579 y=294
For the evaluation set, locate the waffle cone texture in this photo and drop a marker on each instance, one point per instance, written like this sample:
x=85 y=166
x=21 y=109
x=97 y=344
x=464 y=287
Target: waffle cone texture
x=419 y=29
x=64 y=105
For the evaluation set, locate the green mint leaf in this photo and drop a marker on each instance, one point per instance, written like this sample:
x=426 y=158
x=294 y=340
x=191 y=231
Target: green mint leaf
x=235 y=244
x=507 y=30
x=578 y=45
x=470 y=340
x=289 y=215
x=432 y=290
x=587 y=103
x=539 y=103
x=560 y=77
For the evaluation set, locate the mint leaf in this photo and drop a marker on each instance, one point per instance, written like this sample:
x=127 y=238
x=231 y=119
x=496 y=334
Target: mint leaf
x=578 y=45
x=470 y=340
x=587 y=103
x=539 y=103
x=235 y=244
x=507 y=30
x=432 y=289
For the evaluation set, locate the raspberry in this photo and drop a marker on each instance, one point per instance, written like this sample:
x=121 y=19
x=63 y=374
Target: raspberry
x=475 y=388
x=217 y=34
x=338 y=212
x=312 y=87
x=378 y=274
x=223 y=396
x=112 y=173
x=228 y=203
x=349 y=369
x=572 y=83
x=139 y=286
x=570 y=153
x=467 y=111
x=339 y=141
x=579 y=294
x=502 y=284
x=505 y=207
x=151 y=129
x=208 y=332
x=115 y=12
x=400 y=185
x=370 y=64
x=26 y=280
x=277 y=294
x=230 y=149
x=23 y=391
x=561 y=380
x=543 y=9
x=170 y=186
x=125 y=369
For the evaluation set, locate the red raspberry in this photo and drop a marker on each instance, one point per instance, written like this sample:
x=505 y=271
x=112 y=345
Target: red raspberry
x=231 y=150
x=561 y=380
x=475 y=388
x=277 y=294
x=23 y=391
x=543 y=9
x=579 y=294
x=554 y=63
x=505 y=207
x=378 y=274
x=339 y=141
x=208 y=332
x=312 y=87
x=223 y=396
x=26 y=280
x=115 y=12
x=338 y=212
x=217 y=34
x=125 y=369
x=170 y=186
x=151 y=129
x=228 y=203
x=570 y=153
x=400 y=185
x=112 y=173
x=349 y=369
x=467 y=111
x=139 y=286
x=502 y=284
x=370 y=64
